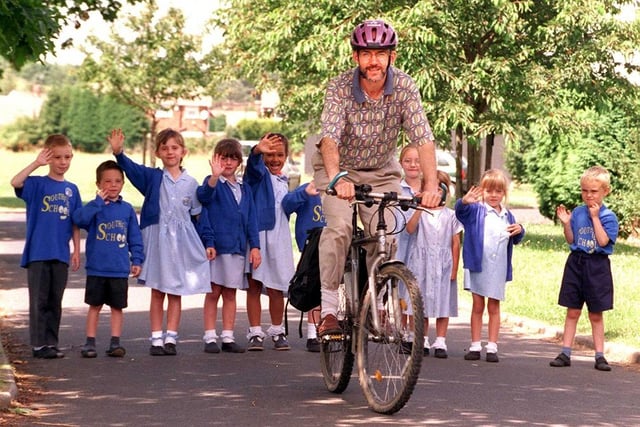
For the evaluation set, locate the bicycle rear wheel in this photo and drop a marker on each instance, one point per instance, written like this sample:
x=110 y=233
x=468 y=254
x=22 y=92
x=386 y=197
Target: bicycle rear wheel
x=336 y=356
x=388 y=375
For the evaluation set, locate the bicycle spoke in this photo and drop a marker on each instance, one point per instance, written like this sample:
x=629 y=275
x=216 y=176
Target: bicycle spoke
x=387 y=375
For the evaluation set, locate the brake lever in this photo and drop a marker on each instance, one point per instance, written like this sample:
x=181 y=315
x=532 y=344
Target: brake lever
x=330 y=190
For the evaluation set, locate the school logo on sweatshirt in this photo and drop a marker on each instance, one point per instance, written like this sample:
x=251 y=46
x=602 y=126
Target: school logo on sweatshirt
x=112 y=231
x=586 y=239
x=318 y=215
x=57 y=203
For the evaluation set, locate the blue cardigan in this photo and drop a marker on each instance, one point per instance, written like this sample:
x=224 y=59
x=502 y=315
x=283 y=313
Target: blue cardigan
x=258 y=177
x=232 y=224
x=472 y=217
x=308 y=211
x=148 y=181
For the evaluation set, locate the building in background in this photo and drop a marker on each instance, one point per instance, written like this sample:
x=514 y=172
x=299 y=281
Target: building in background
x=192 y=116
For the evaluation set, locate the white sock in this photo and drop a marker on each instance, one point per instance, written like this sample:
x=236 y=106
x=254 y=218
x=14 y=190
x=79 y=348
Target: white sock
x=210 y=336
x=227 y=336
x=275 y=330
x=311 y=331
x=156 y=338
x=329 y=302
x=426 y=342
x=491 y=347
x=475 y=346
x=409 y=337
x=171 y=337
x=440 y=343
x=255 y=331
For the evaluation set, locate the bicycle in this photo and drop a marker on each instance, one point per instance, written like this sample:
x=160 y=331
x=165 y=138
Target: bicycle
x=371 y=312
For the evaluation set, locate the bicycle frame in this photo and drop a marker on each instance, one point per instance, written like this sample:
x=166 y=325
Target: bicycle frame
x=359 y=240
x=374 y=331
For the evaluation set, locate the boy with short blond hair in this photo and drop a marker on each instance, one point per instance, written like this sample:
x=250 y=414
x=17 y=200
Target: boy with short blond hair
x=591 y=231
x=50 y=200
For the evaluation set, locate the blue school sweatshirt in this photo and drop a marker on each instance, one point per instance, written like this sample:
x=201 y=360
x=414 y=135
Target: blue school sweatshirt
x=114 y=240
x=50 y=204
x=308 y=211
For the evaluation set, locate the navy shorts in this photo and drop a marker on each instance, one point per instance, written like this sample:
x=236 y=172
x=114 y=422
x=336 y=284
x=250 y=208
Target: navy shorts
x=106 y=290
x=587 y=279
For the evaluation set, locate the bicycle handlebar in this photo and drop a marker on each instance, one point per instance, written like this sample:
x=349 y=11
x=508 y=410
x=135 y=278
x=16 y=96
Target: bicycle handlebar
x=366 y=196
x=330 y=188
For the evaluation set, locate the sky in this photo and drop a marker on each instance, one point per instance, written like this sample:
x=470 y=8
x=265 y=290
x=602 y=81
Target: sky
x=197 y=13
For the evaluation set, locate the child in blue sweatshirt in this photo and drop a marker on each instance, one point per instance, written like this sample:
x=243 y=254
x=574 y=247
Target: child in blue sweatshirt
x=114 y=250
x=50 y=200
x=305 y=201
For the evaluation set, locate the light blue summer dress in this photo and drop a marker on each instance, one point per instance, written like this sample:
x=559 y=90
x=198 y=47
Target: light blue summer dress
x=176 y=261
x=431 y=261
x=491 y=281
x=276 y=248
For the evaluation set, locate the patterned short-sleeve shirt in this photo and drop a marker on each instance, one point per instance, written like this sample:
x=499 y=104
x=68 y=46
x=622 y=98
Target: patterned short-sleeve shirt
x=367 y=130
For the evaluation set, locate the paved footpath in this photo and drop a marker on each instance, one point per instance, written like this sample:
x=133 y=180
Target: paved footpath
x=273 y=388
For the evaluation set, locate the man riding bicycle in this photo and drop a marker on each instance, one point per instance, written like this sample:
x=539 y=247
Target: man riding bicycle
x=364 y=110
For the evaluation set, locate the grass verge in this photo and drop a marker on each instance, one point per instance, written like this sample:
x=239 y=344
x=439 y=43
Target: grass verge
x=538 y=265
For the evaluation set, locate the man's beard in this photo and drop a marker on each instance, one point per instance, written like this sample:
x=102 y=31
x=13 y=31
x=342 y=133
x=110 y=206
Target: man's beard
x=365 y=73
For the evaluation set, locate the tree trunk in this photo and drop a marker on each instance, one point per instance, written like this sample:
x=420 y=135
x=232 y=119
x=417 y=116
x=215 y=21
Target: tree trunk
x=458 y=148
x=145 y=145
x=474 y=164
x=489 y=150
x=152 y=138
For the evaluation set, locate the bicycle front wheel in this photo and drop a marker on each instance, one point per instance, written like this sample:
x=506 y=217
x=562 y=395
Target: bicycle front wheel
x=388 y=371
x=336 y=356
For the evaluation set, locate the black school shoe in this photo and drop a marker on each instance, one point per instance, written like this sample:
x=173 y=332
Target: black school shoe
x=472 y=355
x=440 y=353
x=406 y=347
x=602 y=364
x=116 y=351
x=170 y=349
x=562 y=360
x=211 y=347
x=313 y=345
x=89 y=351
x=232 y=347
x=492 y=358
x=156 y=350
x=46 y=353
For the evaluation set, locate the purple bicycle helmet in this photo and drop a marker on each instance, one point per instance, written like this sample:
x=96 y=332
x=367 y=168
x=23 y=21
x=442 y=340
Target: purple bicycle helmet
x=374 y=34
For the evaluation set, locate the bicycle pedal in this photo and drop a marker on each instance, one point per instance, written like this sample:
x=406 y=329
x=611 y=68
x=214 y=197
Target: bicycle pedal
x=332 y=337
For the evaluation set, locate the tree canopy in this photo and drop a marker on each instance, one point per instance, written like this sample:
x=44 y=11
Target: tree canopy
x=153 y=70
x=28 y=28
x=483 y=66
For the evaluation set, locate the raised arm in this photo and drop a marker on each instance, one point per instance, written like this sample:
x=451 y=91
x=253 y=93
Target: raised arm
x=42 y=160
x=564 y=216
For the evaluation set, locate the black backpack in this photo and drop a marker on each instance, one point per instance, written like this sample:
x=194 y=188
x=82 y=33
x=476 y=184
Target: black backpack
x=304 y=286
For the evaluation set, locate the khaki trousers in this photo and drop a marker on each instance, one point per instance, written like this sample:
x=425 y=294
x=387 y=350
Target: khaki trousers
x=336 y=237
